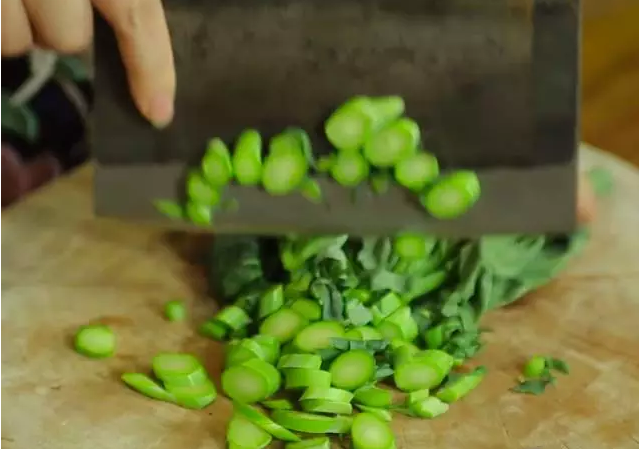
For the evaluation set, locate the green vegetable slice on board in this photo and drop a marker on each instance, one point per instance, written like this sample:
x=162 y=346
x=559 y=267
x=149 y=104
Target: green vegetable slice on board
x=370 y=432
x=311 y=423
x=95 y=341
x=147 y=386
x=261 y=420
x=244 y=434
x=175 y=310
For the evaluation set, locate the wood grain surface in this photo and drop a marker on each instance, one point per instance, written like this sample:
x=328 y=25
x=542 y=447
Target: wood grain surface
x=62 y=268
x=610 y=76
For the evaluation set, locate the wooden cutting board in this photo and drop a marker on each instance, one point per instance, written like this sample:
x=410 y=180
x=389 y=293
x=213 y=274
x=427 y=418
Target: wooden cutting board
x=63 y=268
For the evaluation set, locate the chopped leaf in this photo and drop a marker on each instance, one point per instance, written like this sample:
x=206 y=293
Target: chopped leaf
x=383 y=371
x=558 y=365
x=534 y=386
x=357 y=313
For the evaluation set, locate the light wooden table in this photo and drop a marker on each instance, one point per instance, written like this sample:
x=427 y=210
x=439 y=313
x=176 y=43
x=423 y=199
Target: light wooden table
x=63 y=268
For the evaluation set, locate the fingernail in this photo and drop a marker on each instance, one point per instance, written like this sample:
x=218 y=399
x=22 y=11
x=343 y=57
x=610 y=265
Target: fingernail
x=161 y=112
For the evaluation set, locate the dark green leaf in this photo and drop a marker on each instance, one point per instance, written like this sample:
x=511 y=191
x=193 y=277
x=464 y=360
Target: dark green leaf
x=329 y=298
x=387 y=280
x=533 y=386
x=357 y=313
x=235 y=264
x=558 y=365
x=383 y=371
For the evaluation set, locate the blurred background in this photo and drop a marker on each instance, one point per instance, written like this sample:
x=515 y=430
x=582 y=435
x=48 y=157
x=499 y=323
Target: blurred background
x=43 y=134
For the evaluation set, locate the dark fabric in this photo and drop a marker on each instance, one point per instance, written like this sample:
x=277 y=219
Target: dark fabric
x=30 y=161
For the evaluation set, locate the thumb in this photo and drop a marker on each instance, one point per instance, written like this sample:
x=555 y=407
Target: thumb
x=145 y=44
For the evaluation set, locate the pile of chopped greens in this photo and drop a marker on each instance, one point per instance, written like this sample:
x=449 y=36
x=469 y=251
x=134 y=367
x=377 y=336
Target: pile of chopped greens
x=334 y=334
x=320 y=326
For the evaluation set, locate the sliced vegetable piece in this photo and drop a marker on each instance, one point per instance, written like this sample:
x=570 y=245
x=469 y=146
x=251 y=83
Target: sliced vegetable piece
x=358 y=294
x=199 y=213
x=430 y=407
x=247 y=158
x=349 y=169
x=252 y=383
x=243 y=433
x=233 y=317
x=452 y=195
x=311 y=443
x=325 y=163
x=380 y=182
x=418 y=395
x=310 y=423
x=434 y=337
x=384 y=415
x=179 y=369
x=328 y=394
x=304 y=378
x=271 y=301
x=388 y=304
x=264 y=422
x=324 y=406
x=417 y=171
x=392 y=143
x=308 y=308
x=169 y=209
x=306 y=361
x=244 y=350
x=370 y=432
x=285 y=167
x=214 y=329
x=426 y=370
x=349 y=126
x=387 y=109
x=311 y=190
x=462 y=385
x=412 y=246
x=317 y=336
x=283 y=324
x=196 y=396
x=403 y=318
x=404 y=354
x=373 y=397
x=200 y=191
x=175 y=310
x=364 y=333
x=147 y=386
x=270 y=347
x=95 y=341
x=216 y=164
x=535 y=367
x=352 y=369
x=278 y=404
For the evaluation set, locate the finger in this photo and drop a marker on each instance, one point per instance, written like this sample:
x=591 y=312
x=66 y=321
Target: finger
x=63 y=25
x=144 y=41
x=16 y=30
x=586 y=201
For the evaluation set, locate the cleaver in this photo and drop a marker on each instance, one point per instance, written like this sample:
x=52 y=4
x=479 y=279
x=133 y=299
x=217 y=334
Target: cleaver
x=493 y=84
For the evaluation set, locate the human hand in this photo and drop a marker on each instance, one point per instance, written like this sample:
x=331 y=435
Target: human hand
x=586 y=202
x=67 y=26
